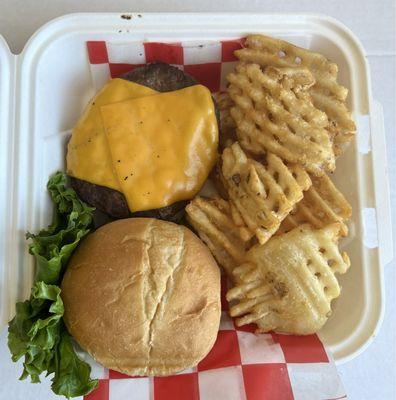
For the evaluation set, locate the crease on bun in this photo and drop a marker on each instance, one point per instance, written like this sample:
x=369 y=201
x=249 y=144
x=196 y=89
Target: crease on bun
x=142 y=296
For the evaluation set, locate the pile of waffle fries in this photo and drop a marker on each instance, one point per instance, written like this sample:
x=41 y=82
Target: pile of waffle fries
x=275 y=225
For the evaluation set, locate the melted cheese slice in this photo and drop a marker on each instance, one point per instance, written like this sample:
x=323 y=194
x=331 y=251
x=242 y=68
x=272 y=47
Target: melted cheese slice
x=162 y=146
x=88 y=157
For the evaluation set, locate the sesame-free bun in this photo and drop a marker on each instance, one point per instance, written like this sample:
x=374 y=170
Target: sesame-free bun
x=142 y=296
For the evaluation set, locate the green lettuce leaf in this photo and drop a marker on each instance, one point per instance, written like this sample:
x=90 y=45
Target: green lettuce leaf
x=53 y=246
x=72 y=376
x=37 y=331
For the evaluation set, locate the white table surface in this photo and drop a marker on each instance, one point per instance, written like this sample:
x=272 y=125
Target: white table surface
x=372 y=375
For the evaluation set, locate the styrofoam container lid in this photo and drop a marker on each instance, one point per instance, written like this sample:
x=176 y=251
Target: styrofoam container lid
x=54 y=84
x=6 y=117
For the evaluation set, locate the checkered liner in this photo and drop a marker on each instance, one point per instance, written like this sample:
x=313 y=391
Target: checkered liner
x=241 y=364
x=209 y=63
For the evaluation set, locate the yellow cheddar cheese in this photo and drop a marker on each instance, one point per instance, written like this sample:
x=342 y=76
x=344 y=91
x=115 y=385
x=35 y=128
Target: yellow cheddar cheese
x=88 y=157
x=162 y=146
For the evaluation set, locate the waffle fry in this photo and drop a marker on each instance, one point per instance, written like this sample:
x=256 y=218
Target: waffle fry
x=273 y=112
x=221 y=227
x=227 y=124
x=263 y=194
x=327 y=94
x=321 y=205
x=287 y=285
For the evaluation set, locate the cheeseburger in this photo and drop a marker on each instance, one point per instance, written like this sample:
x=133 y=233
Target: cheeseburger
x=145 y=144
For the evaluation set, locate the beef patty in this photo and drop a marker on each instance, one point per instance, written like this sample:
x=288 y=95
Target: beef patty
x=161 y=77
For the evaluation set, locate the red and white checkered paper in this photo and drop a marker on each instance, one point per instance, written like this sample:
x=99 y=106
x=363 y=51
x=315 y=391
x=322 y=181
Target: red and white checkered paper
x=241 y=365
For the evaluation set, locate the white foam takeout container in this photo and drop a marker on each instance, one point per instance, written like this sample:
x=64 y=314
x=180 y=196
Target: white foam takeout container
x=44 y=90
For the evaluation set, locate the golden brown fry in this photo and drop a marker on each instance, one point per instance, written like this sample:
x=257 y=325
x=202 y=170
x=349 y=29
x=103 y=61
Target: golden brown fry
x=263 y=194
x=220 y=226
x=227 y=124
x=321 y=205
x=273 y=112
x=287 y=285
x=327 y=94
